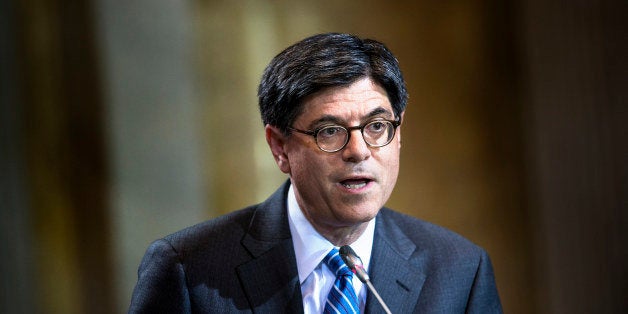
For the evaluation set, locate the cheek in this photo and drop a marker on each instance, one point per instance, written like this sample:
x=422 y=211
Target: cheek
x=391 y=166
x=393 y=171
x=303 y=165
x=294 y=159
x=312 y=171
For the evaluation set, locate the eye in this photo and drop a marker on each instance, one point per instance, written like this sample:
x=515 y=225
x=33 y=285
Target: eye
x=376 y=127
x=330 y=131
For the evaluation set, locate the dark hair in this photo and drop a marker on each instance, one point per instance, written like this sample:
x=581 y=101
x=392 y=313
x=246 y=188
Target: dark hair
x=322 y=61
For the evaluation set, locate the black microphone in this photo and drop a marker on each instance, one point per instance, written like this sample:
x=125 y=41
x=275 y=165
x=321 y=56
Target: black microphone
x=354 y=263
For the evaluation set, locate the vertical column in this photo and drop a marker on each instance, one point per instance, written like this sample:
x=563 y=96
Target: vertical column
x=577 y=152
x=153 y=127
x=17 y=287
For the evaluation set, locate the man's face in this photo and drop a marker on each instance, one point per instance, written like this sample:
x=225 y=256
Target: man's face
x=348 y=187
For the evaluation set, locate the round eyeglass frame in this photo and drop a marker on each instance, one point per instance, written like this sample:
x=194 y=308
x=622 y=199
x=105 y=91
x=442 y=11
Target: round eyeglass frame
x=314 y=133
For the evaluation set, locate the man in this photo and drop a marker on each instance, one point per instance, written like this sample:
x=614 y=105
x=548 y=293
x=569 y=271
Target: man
x=332 y=106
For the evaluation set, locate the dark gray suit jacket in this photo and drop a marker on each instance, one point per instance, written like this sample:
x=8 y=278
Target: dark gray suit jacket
x=245 y=262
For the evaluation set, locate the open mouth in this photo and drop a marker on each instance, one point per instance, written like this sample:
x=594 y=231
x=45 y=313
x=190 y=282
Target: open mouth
x=354 y=184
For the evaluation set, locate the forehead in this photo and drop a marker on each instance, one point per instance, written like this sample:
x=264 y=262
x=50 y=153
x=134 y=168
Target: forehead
x=354 y=102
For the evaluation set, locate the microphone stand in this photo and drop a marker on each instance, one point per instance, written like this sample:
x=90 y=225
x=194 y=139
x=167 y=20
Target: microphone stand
x=355 y=264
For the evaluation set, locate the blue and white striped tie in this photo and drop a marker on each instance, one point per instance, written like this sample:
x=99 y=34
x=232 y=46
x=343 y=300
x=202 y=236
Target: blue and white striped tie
x=342 y=297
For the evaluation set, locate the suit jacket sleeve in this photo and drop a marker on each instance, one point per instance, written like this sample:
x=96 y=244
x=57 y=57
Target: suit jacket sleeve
x=484 y=297
x=161 y=285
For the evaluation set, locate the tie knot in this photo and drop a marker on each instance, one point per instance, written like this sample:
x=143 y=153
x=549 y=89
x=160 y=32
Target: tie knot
x=336 y=264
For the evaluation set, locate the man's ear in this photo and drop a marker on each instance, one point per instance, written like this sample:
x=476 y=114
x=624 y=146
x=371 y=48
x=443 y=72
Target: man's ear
x=276 y=141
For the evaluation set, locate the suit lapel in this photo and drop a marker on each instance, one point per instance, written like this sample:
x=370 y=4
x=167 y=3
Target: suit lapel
x=270 y=279
x=395 y=276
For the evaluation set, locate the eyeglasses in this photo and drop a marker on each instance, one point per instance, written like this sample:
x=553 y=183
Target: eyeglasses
x=332 y=138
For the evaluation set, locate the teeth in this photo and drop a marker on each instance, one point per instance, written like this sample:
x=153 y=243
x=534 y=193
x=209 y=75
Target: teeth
x=354 y=185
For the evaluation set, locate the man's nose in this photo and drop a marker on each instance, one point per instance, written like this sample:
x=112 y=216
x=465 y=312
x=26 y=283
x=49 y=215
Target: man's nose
x=356 y=149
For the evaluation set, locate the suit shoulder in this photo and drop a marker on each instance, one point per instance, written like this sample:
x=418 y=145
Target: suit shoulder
x=222 y=230
x=426 y=235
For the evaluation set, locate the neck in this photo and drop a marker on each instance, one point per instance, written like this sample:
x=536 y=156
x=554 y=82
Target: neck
x=339 y=235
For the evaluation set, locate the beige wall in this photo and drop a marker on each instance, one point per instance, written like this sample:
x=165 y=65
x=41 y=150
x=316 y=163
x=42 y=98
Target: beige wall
x=455 y=170
x=139 y=118
x=460 y=163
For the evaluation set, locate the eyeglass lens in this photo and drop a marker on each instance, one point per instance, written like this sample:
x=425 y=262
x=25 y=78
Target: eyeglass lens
x=375 y=133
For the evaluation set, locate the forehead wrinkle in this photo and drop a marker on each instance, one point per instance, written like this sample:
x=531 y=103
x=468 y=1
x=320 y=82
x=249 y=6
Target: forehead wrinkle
x=339 y=121
x=337 y=105
x=380 y=111
x=325 y=119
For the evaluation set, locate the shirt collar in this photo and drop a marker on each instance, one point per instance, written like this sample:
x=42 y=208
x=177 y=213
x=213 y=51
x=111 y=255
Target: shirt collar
x=310 y=247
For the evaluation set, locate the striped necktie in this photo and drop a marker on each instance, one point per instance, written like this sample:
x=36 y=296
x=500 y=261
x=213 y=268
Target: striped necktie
x=342 y=297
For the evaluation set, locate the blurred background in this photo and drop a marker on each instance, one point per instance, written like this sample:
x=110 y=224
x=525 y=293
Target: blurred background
x=124 y=121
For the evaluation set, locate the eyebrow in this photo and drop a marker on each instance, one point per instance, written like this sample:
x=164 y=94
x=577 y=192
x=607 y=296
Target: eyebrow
x=336 y=120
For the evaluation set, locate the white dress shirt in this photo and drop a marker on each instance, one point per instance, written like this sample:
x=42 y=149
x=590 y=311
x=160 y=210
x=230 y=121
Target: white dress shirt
x=310 y=248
